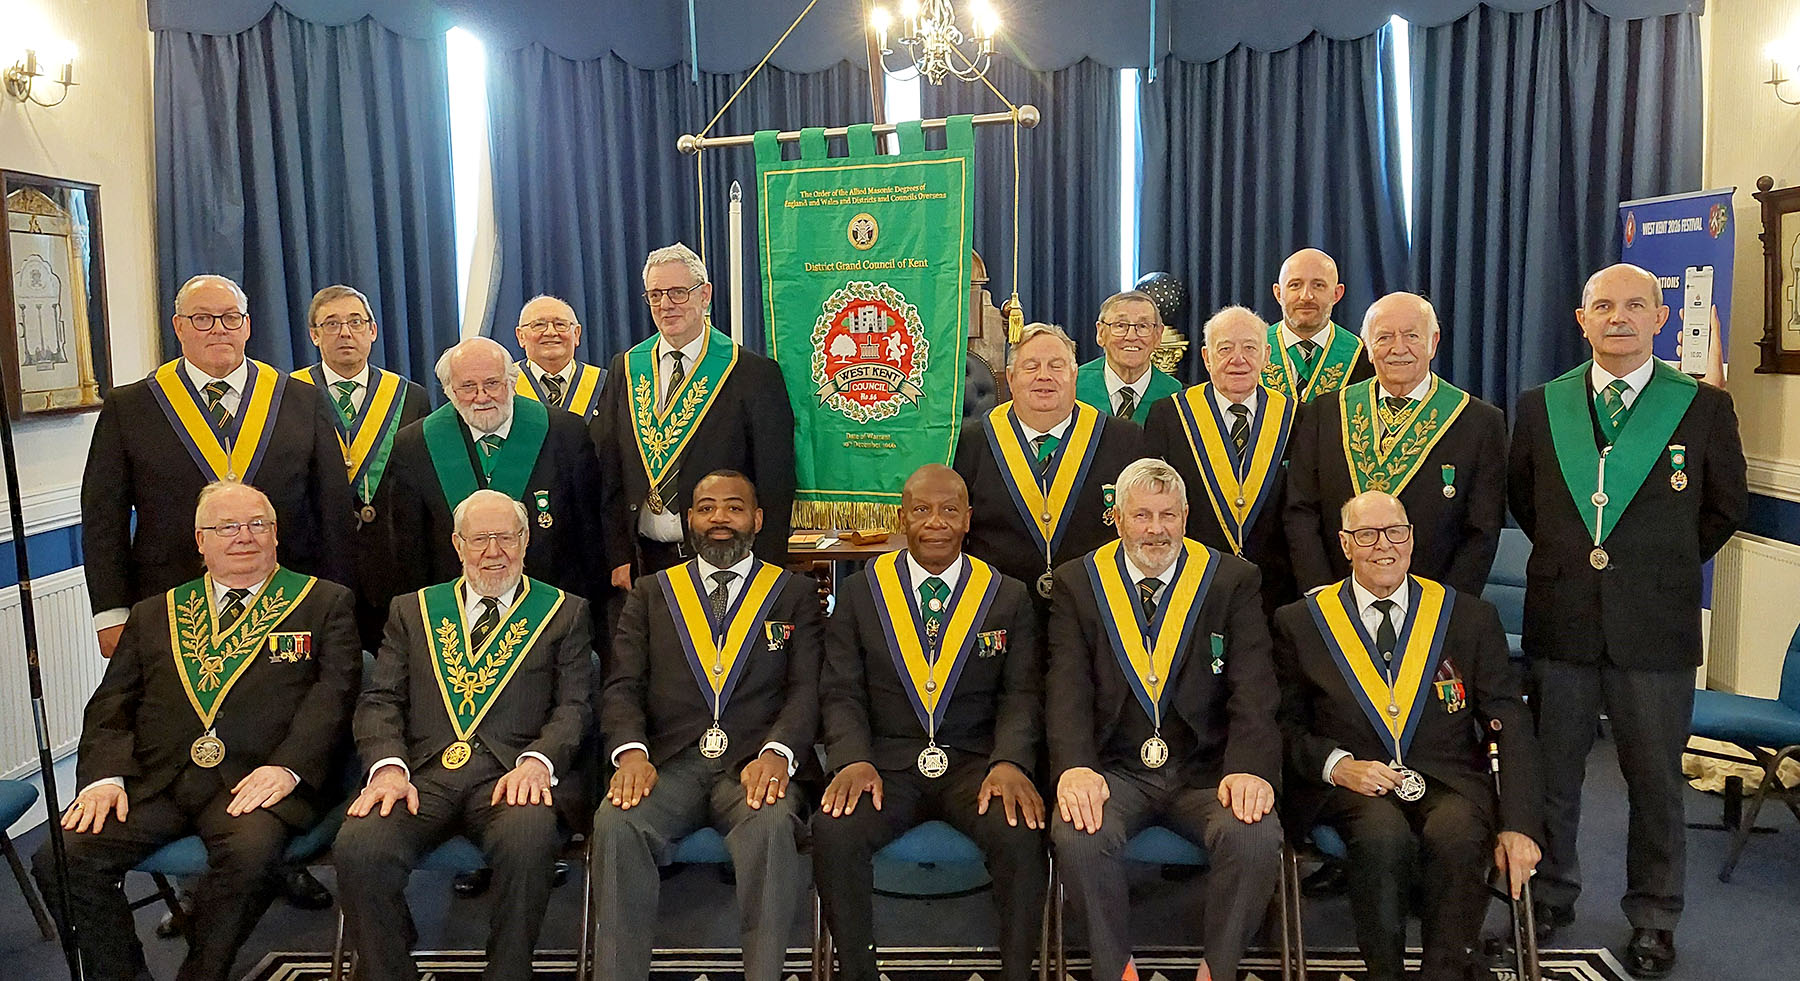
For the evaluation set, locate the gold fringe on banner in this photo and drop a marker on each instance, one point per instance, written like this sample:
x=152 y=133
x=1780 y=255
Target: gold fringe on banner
x=846 y=515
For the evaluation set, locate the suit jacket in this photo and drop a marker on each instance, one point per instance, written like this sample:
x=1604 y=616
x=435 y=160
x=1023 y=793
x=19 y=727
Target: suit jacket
x=543 y=708
x=1000 y=537
x=138 y=464
x=1644 y=610
x=1454 y=538
x=1231 y=714
x=996 y=711
x=139 y=723
x=1267 y=545
x=1319 y=715
x=750 y=429
x=563 y=554
x=651 y=696
x=1090 y=387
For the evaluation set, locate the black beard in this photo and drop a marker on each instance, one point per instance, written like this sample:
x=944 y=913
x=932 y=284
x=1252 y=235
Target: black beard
x=721 y=554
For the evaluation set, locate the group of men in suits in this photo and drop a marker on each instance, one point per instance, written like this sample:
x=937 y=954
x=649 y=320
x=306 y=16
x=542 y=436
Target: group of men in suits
x=1131 y=620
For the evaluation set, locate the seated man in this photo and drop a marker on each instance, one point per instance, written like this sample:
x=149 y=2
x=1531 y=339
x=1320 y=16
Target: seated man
x=1163 y=703
x=218 y=716
x=710 y=703
x=932 y=701
x=1386 y=679
x=479 y=699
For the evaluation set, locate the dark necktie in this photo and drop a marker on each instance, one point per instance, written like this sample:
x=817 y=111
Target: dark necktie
x=215 y=392
x=1309 y=354
x=1127 y=403
x=676 y=375
x=233 y=607
x=1240 y=426
x=933 y=594
x=553 y=389
x=1147 y=596
x=721 y=598
x=1385 y=635
x=341 y=392
x=1045 y=446
x=490 y=451
x=1613 y=410
x=485 y=623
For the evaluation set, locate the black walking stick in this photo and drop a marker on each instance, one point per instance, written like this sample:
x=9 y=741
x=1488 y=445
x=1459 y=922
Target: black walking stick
x=1523 y=922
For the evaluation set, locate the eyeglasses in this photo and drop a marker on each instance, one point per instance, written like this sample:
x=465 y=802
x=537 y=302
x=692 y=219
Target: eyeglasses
x=469 y=389
x=507 y=540
x=347 y=325
x=1367 y=537
x=1125 y=328
x=541 y=327
x=258 y=527
x=203 y=322
x=676 y=294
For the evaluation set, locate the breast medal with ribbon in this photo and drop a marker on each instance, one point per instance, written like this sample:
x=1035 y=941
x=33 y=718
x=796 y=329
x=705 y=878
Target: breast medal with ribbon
x=930 y=665
x=582 y=397
x=211 y=656
x=471 y=677
x=718 y=657
x=237 y=452
x=1329 y=373
x=1045 y=498
x=1389 y=459
x=1618 y=471
x=1237 y=488
x=1150 y=653
x=368 y=438
x=457 y=462
x=1392 y=696
x=662 y=427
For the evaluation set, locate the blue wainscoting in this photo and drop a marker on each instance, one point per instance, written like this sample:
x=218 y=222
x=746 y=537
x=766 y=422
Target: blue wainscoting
x=56 y=550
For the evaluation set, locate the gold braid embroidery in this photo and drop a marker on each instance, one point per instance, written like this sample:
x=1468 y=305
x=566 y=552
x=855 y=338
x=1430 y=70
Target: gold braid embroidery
x=472 y=684
x=244 y=640
x=659 y=439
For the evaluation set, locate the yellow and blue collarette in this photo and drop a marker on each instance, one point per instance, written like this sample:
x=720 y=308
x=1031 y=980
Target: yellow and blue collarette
x=372 y=428
x=1231 y=477
x=1063 y=477
x=1420 y=646
x=238 y=452
x=929 y=680
x=727 y=649
x=582 y=397
x=1154 y=648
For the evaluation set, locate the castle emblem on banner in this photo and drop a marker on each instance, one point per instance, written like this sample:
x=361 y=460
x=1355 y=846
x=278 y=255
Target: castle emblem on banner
x=869 y=352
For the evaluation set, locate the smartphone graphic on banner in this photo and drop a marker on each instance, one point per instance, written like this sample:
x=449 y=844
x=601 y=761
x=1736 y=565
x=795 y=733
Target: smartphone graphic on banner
x=1696 y=318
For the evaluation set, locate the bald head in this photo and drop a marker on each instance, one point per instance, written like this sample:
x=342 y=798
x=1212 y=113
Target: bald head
x=1308 y=290
x=934 y=514
x=1627 y=277
x=1621 y=313
x=934 y=477
x=548 y=332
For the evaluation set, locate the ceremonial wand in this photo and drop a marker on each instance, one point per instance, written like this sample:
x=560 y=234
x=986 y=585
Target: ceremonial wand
x=28 y=616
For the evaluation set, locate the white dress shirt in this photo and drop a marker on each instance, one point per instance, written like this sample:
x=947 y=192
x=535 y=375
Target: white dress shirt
x=1138 y=575
x=1252 y=402
x=1371 y=620
x=1323 y=338
x=1139 y=388
x=357 y=394
x=567 y=374
x=666 y=527
x=1636 y=379
x=951 y=576
x=1059 y=430
x=237 y=378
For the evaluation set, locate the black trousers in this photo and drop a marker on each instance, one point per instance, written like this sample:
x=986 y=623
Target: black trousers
x=844 y=849
x=1442 y=845
x=242 y=855
x=376 y=855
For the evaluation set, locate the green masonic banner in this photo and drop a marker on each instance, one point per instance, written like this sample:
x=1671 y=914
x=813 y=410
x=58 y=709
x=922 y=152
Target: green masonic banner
x=866 y=276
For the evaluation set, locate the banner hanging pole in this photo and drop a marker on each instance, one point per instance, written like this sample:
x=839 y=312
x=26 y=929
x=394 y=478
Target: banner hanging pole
x=734 y=252
x=1027 y=117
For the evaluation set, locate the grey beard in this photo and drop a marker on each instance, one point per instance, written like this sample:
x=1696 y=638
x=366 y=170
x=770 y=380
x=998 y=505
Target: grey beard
x=721 y=554
x=496 y=584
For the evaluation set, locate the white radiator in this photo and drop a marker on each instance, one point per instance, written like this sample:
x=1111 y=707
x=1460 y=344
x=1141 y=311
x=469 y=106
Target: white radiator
x=1755 y=580
x=71 y=662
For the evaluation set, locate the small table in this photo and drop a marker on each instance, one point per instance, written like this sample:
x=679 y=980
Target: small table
x=822 y=563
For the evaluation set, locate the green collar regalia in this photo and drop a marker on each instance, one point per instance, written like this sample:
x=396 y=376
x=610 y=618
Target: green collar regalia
x=580 y=398
x=718 y=653
x=236 y=452
x=1386 y=459
x=470 y=677
x=662 y=433
x=1237 y=484
x=455 y=458
x=1329 y=373
x=367 y=439
x=1044 y=497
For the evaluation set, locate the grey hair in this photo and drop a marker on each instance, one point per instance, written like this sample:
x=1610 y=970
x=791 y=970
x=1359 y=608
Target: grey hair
x=548 y=296
x=1367 y=497
x=1368 y=322
x=1587 y=288
x=218 y=487
x=337 y=292
x=475 y=343
x=1130 y=296
x=488 y=494
x=1227 y=315
x=214 y=279
x=1150 y=475
x=677 y=253
x=1035 y=330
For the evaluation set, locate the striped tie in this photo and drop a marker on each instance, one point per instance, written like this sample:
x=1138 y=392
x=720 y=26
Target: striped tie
x=484 y=624
x=1306 y=352
x=490 y=451
x=1240 y=426
x=215 y=392
x=553 y=388
x=721 y=598
x=233 y=607
x=676 y=374
x=1612 y=409
x=1147 y=588
x=1127 y=403
x=1045 y=446
x=342 y=391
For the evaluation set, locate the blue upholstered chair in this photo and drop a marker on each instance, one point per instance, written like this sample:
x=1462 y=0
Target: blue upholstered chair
x=1506 y=586
x=187 y=857
x=16 y=797
x=1766 y=728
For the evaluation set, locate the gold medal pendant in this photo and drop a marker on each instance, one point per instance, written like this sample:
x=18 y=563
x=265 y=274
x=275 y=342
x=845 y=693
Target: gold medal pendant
x=544 y=520
x=1044 y=584
x=933 y=762
x=714 y=742
x=655 y=502
x=1598 y=558
x=456 y=755
x=207 y=752
x=1449 y=490
x=1678 y=480
x=1154 y=752
x=366 y=514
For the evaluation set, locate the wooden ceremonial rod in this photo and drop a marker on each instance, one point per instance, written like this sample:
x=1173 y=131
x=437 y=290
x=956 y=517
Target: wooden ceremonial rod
x=688 y=143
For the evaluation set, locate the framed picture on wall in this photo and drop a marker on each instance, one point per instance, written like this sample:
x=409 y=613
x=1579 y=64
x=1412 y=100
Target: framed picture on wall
x=1780 y=342
x=55 y=348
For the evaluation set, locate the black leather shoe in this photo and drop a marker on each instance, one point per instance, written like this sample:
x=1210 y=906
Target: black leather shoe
x=1548 y=919
x=1650 y=953
x=303 y=891
x=468 y=885
x=559 y=874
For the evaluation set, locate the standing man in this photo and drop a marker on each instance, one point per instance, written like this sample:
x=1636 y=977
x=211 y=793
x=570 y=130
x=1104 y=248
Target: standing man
x=1389 y=682
x=479 y=700
x=1309 y=354
x=1122 y=381
x=681 y=404
x=1628 y=476
x=220 y=715
x=1164 y=700
x=932 y=697
x=370 y=406
x=710 y=706
x=210 y=415
x=1228 y=438
x=549 y=333
x=1408 y=433
x=1040 y=468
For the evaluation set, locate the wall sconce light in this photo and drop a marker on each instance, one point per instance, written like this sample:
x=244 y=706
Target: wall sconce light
x=1784 y=55
x=56 y=65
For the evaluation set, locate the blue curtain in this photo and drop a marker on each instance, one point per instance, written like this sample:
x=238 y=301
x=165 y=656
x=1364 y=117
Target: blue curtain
x=294 y=155
x=587 y=179
x=1250 y=157
x=1068 y=206
x=1531 y=128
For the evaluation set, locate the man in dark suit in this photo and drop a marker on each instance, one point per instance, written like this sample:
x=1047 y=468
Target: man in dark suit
x=932 y=699
x=1164 y=700
x=209 y=415
x=1123 y=381
x=232 y=737
x=1406 y=785
x=1411 y=434
x=370 y=405
x=516 y=654
x=1228 y=439
x=1310 y=356
x=710 y=706
x=1040 y=468
x=489 y=437
x=549 y=333
x=1628 y=476
x=678 y=406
